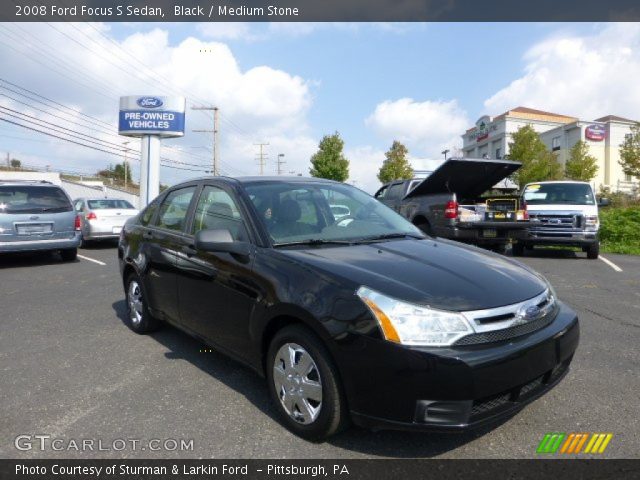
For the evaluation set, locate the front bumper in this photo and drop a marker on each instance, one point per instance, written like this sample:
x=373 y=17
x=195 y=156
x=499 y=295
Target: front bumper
x=560 y=237
x=454 y=388
x=41 y=244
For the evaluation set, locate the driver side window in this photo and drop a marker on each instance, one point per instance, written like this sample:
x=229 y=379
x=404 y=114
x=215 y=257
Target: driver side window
x=216 y=209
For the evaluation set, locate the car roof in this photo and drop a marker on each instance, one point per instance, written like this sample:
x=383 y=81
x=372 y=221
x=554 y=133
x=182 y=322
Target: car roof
x=256 y=179
x=26 y=183
x=558 y=181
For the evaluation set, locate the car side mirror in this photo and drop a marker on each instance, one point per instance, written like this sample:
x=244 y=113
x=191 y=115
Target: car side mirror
x=220 y=240
x=603 y=202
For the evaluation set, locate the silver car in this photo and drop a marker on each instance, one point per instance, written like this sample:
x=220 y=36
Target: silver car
x=37 y=216
x=103 y=218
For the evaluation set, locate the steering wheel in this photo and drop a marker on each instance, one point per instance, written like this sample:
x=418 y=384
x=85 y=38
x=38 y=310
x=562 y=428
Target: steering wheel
x=339 y=222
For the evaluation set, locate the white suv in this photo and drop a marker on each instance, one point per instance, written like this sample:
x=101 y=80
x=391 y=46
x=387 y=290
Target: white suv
x=561 y=213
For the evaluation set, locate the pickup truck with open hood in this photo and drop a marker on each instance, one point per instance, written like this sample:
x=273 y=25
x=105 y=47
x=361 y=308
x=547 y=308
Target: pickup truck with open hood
x=449 y=203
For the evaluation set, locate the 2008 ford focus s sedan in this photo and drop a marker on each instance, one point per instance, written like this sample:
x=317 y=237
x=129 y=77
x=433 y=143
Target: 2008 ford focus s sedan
x=357 y=317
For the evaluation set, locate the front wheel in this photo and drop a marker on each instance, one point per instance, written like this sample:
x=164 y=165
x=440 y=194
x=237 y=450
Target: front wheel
x=140 y=320
x=304 y=384
x=593 y=251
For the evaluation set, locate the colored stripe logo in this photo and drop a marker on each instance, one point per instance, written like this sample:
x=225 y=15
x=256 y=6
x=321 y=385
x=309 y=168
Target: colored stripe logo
x=573 y=443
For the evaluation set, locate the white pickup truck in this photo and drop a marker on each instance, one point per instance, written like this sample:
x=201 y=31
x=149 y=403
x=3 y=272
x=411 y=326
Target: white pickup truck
x=561 y=213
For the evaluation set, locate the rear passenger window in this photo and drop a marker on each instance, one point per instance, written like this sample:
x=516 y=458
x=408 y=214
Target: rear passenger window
x=216 y=209
x=174 y=208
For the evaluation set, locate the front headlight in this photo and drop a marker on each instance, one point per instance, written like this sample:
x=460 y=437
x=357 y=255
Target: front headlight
x=410 y=324
x=591 y=221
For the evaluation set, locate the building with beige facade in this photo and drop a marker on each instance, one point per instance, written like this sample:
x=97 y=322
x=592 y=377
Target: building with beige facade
x=490 y=138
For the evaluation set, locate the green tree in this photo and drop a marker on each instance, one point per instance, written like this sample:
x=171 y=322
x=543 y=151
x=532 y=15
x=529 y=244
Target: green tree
x=580 y=165
x=538 y=163
x=329 y=161
x=15 y=163
x=395 y=166
x=630 y=152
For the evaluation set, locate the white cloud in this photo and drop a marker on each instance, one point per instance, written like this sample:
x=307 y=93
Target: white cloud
x=227 y=31
x=255 y=104
x=425 y=127
x=588 y=76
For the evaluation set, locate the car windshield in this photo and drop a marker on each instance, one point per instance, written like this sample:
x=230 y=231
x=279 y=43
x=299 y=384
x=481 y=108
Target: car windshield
x=108 y=203
x=33 y=199
x=558 y=194
x=317 y=212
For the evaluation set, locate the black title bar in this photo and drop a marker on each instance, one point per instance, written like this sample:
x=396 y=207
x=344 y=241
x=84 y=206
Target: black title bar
x=319 y=10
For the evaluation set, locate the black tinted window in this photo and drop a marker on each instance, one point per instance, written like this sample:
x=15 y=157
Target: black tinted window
x=395 y=191
x=174 y=208
x=147 y=213
x=216 y=209
x=33 y=199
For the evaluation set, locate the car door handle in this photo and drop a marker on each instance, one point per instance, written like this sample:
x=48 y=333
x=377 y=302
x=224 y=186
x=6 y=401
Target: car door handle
x=147 y=235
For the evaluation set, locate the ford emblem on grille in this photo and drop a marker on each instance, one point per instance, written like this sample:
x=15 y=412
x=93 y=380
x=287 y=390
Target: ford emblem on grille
x=149 y=102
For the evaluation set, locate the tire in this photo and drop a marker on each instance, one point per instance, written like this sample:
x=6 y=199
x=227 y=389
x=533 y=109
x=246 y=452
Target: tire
x=138 y=316
x=324 y=412
x=69 y=255
x=593 y=251
x=517 y=249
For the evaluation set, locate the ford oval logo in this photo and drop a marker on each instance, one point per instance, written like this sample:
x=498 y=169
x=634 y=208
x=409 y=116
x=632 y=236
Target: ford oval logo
x=532 y=312
x=149 y=102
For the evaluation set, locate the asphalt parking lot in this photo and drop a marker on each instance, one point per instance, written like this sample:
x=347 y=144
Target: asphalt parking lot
x=72 y=369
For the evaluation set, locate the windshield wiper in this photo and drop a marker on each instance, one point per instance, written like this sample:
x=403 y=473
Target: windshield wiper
x=313 y=242
x=390 y=236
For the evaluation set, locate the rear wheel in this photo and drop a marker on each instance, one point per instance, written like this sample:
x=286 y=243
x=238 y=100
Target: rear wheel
x=593 y=251
x=304 y=384
x=69 y=255
x=140 y=320
x=517 y=249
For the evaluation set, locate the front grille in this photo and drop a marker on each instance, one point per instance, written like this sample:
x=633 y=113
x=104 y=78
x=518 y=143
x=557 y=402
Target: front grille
x=531 y=386
x=483 y=406
x=560 y=221
x=506 y=333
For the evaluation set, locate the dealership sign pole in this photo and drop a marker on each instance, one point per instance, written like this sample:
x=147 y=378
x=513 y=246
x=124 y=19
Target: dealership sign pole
x=151 y=119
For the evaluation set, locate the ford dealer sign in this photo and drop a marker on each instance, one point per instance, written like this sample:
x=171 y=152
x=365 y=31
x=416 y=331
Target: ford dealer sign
x=149 y=102
x=150 y=115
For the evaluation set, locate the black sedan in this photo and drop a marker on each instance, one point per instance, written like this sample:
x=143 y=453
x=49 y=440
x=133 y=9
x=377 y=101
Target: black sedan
x=357 y=317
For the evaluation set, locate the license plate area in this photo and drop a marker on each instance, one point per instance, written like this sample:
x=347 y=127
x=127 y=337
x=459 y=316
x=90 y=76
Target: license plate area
x=33 y=228
x=116 y=229
x=489 y=233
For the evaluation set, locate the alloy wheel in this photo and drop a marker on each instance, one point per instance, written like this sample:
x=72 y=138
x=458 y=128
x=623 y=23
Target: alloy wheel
x=134 y=299
x=297 y=382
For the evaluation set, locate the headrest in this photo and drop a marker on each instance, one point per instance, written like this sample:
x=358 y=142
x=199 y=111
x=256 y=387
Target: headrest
x=219 y=208
x=289 y=211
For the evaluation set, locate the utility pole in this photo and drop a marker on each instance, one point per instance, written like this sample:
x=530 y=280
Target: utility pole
x=125 y=163
x=8 y=159
x=262 y=156
x=216 y=157
x=280 y=163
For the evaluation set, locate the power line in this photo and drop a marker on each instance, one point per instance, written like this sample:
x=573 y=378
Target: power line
x=215 y=134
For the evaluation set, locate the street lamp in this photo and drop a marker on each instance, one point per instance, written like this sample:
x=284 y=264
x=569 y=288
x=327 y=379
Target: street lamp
x=280 y=163
x=444 y=152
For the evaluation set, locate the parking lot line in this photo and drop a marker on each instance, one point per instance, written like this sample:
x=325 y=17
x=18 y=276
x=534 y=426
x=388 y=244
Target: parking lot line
x=610 y=263
x=92 y=260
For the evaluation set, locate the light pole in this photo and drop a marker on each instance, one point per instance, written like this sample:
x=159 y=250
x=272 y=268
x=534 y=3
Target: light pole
x=444 y=152
x=280 y=163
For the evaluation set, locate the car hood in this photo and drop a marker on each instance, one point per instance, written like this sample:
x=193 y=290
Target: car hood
x=439 y=273
x=568 y=208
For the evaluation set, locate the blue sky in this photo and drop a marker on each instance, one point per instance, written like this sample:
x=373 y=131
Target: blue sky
x=289 y=84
